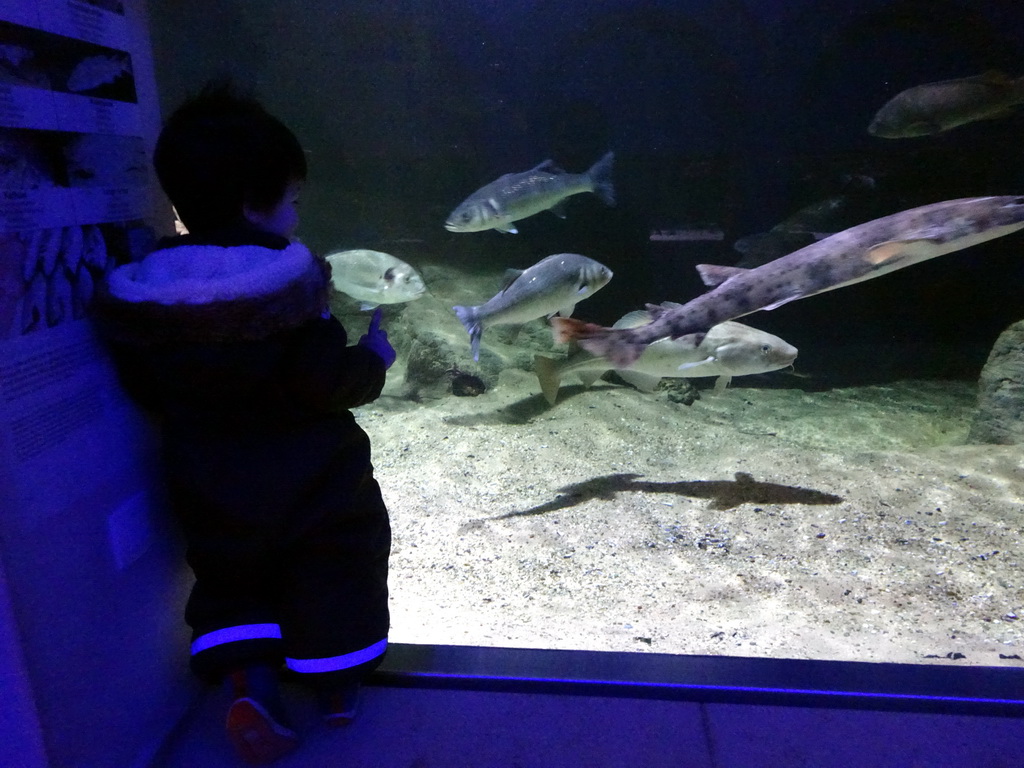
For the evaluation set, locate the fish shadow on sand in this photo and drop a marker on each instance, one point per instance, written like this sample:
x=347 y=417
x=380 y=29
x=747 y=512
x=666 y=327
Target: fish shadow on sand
x=526 y=409
x=520 y=412
x=724 y=494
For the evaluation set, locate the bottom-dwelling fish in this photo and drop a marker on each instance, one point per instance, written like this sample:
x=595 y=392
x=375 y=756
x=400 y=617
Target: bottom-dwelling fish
x=728 y=349
x=553 y=285
x=859 y=253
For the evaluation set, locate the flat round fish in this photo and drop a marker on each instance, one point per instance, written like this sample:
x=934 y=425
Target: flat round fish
x=374 y=277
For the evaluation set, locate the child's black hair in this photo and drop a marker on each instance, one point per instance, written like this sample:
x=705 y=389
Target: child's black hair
x=221 y=151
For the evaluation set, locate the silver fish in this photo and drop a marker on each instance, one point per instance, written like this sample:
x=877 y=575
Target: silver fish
x=553 y=285
x=729 y=349
x=374 y=277
x=935 y=107
x=859 y=253
x=515 y=196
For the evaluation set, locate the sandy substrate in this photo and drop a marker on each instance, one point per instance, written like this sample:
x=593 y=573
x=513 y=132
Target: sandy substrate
x=849 y=524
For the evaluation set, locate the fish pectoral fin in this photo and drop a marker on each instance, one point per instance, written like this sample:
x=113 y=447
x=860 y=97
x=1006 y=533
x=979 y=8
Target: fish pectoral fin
x=924 y=128
x=891 y=250
x=509 y=228
x=589 y=377
x=645 y=382
x=365 y=306
x=691 y=366
x=510 y=276
x=784 y=300
x=558 y=209
x=721 y=383
x=716 y=274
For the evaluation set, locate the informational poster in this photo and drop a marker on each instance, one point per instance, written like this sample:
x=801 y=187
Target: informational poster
x=76 y=195
x=74 y=172
x=78 y=527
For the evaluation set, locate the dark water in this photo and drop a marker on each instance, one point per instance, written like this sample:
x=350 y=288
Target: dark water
x=728 y=116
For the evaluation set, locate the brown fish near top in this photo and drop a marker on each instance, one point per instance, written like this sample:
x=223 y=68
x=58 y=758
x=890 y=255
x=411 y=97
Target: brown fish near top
x=859 y=253
x=935 y=107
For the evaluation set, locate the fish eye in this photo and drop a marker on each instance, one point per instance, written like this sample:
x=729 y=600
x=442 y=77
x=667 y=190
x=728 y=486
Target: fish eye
x=389 y=274
x=766 y=348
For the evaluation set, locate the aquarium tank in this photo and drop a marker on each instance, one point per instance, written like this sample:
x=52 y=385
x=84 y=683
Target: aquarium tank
x=813 y=451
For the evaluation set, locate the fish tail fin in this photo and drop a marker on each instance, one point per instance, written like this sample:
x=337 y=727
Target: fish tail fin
x=614 y=345
x=470 y=319
x=566 y=329
x=546 y=369
x=600 y=174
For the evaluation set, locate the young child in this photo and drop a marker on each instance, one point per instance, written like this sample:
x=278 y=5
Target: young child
x=224 y=333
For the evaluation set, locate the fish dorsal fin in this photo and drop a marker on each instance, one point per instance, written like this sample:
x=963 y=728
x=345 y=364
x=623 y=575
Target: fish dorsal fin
x=655 y=311
x=890 y=250
x=548 y=166
x=633 y=319
x=671 y=304
x=510 y=276
x=716 y=274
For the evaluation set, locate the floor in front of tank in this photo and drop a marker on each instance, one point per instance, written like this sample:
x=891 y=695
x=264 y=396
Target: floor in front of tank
x=435 y=728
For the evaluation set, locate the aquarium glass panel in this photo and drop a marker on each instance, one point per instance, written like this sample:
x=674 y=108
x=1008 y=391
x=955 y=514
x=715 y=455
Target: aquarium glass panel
x=709 y=315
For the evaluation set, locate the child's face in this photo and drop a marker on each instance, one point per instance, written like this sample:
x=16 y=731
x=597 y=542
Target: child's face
x=283 y=218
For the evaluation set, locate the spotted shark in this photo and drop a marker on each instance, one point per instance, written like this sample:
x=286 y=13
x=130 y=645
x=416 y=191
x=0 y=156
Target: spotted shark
x=859 y=253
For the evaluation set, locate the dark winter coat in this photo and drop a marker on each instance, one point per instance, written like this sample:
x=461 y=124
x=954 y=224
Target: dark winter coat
x=267 y=470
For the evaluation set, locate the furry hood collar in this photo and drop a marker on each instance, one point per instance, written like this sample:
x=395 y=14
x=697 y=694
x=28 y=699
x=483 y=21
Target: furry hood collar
x=213 y=293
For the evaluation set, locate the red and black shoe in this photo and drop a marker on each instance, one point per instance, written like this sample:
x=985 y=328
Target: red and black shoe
x=257 y=737
x=257 y=725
